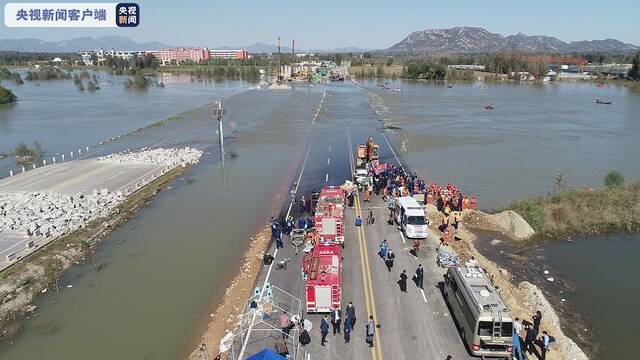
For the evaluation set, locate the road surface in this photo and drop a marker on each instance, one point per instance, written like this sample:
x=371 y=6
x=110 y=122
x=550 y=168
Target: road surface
x=413 y=325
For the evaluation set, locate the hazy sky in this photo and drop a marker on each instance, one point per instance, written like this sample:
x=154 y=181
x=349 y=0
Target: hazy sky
x=366 y=24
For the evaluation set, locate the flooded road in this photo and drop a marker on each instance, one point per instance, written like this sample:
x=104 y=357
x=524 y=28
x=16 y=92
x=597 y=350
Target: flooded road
x=534 y=132
x=514 y=151
x=161 y=272
x=63 y=119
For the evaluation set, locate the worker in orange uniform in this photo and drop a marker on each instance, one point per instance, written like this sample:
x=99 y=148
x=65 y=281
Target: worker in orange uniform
x=367 y=194
x=445 y=224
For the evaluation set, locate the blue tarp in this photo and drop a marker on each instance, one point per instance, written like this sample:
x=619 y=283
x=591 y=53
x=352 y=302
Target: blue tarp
x=266 y=354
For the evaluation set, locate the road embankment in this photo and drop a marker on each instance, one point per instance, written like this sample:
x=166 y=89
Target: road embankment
x=21 y=284
x=524 y=298
x=585 y=211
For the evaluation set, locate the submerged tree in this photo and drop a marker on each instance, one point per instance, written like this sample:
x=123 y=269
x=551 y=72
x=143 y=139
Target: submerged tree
x=7 y=96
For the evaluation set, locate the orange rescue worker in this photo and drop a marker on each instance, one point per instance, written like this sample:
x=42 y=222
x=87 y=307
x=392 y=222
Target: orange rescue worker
x=385 y=194
x=445 y=224
x=367 y=194
x=447 y=211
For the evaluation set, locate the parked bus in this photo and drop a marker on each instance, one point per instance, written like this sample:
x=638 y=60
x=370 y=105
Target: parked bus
x=484 y=321
x=411 y=218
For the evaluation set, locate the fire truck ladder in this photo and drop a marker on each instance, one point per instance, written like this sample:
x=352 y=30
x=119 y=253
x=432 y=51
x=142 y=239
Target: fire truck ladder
x=314 y=265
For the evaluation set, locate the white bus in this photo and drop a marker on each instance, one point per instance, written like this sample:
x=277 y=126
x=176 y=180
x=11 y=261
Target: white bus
x=411 y=218
x=484 y=321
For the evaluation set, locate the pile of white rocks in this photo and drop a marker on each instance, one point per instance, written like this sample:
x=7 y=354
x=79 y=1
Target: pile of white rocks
x=48 y=214
x=170 y=157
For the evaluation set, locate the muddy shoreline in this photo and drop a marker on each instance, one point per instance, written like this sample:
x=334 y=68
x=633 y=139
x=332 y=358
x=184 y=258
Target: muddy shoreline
x=527 y=261
x=521 y=297
x=22 y=284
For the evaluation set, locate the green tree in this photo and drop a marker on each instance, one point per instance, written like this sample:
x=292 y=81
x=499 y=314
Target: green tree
x=613 y=179
x=634 y=73
x=7 y=96
x=138 y=82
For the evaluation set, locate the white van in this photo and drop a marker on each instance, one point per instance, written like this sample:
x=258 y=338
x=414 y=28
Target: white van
x=411 y=218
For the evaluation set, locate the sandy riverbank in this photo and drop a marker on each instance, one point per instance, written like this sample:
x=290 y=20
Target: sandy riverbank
x=21 y=284
x=523 y=299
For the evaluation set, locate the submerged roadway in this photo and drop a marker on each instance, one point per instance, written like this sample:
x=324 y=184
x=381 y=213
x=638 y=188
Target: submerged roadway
x=413 y=325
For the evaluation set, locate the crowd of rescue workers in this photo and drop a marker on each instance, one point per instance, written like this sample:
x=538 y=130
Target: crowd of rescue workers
x=391 y=182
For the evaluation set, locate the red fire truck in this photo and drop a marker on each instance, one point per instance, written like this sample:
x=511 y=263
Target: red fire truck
x=329 y=215
x=323 y=270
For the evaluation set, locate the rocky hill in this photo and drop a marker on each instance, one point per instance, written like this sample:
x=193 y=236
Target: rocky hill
x=479 y=40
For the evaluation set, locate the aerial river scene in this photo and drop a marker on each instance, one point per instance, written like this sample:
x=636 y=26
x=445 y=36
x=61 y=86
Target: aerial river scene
x=441 y=192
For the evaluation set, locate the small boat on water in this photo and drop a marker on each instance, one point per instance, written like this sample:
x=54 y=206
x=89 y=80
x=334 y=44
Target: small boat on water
x=483 y=87
x=489 y=107
x=397 y=89
x=449 y=86
x=603 y=102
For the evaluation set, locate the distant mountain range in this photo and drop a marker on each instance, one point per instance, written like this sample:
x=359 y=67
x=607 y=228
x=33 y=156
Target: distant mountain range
x=479 y=40
x=455 y=40
x=124 y=43
x=78 y=44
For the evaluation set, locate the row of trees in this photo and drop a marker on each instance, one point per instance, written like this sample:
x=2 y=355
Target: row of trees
x=47 y=73
x=13 y=58
x=425 y=71
x=226 y=72
x=635 y=67
x=137 y=63
x=12 y=76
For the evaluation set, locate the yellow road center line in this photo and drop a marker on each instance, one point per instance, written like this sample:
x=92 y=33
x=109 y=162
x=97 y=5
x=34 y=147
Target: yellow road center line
x=371 y=308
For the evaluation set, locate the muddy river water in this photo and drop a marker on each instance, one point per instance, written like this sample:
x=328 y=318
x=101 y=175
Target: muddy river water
x=162 y=272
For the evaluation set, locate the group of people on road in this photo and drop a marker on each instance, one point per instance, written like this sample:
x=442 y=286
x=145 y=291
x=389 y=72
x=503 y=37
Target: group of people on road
x=335 y=319
x=528 y=345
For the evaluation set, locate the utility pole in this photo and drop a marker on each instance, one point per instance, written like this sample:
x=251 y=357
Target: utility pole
x=219 y=112
x=279 y=66
x=293 y=55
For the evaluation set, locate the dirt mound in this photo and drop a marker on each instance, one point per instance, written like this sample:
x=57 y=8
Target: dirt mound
x=507 y=222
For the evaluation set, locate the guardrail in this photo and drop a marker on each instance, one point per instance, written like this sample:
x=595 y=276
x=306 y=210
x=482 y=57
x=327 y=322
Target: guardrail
x=30 y=244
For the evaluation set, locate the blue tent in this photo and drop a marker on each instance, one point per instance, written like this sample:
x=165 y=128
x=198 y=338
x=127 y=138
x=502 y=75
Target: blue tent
x=266 y=354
